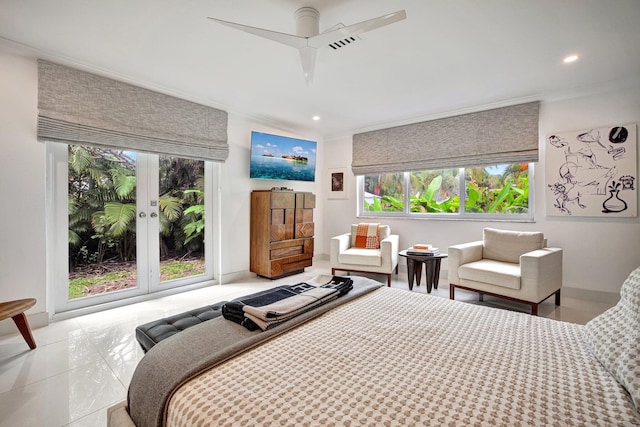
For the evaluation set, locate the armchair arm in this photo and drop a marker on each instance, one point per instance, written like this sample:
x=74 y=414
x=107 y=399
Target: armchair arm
x=462 y=254
x=541 y=273
x=389 y=252
x=339 y=244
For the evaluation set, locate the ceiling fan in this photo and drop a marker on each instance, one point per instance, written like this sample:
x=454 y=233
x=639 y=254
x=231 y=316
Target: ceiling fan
x=308 y=37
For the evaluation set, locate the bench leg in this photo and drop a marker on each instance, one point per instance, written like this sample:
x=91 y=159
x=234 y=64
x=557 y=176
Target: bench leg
x=23 y=326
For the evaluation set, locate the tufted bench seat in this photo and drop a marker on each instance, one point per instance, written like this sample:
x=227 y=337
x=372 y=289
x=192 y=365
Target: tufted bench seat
x=152 y=333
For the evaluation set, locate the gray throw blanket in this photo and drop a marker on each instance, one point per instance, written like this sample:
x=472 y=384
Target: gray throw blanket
x=176 y=360
x=270 y=308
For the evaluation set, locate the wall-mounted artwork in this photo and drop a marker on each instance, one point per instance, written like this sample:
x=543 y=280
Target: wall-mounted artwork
x=592 y=172
x=338 y=183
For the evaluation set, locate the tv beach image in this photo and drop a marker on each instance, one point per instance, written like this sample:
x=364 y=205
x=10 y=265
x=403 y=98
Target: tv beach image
x=281 y=157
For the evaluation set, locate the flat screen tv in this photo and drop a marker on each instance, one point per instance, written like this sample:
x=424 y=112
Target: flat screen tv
x=281 y=157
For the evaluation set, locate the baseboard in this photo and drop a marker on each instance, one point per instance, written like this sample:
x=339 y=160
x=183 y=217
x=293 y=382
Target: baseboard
x=36 y=320
x=236 y=276
x=588 y=295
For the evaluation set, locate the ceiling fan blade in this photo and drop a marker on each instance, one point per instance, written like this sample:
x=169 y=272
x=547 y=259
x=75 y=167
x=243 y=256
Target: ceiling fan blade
x=356 y=29
x=287 y=39
x=308 y=57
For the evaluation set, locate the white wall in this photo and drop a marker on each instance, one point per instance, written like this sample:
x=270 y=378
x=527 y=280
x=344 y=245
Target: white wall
x=22 y=186
x=598 y=253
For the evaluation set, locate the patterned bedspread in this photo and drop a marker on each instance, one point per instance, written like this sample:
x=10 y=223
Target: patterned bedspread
x=394 y=357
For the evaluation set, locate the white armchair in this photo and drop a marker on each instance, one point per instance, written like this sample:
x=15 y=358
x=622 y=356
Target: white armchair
x=345 y=256
x=508 y=264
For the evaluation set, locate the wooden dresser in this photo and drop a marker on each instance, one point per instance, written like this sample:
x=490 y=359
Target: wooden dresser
x=281 y=232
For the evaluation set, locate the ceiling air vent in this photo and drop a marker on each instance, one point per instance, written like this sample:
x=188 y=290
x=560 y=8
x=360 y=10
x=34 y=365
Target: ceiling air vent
x=342 y=43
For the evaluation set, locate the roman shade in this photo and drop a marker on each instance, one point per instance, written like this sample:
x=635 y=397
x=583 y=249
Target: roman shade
x=76 y=107
x=497 y=136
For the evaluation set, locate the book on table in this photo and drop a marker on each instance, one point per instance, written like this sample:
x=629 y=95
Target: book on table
x=425 y=252
x=422 y=246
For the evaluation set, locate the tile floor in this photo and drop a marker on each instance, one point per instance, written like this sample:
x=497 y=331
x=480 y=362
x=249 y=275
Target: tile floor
x=83 y=365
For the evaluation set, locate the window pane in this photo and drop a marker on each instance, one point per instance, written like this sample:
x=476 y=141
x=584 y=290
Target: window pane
x=384 y=193
x=500 y=189
x=436 y=191
x=181 y=218
x=102 y=221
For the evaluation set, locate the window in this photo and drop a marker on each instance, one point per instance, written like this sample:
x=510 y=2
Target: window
x=490 y=192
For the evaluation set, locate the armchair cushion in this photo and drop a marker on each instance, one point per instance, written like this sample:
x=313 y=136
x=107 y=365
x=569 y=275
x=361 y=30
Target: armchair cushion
x=358 y=256
x=507 y=246
x=497 y=273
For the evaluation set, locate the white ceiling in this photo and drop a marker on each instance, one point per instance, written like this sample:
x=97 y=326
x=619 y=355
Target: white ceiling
x=448 y=55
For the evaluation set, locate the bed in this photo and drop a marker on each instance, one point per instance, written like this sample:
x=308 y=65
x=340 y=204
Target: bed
x=385 y=356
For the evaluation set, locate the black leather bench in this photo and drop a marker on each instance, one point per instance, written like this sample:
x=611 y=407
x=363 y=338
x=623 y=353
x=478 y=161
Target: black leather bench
x=152 y=333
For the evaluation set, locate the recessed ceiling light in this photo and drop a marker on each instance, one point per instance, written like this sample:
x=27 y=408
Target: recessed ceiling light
x=570 y=58
x=316 y=118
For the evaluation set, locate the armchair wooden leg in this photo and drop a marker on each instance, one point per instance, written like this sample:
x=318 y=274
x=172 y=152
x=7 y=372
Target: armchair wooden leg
x=388 y=280
x=452 y=290
x=333 y=271
x=534 y=309
x=558 y=297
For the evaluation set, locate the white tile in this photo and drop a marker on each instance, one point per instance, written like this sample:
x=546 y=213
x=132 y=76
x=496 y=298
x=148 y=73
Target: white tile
x=11 y=345
x=63 y=398
x=98 y=418
x=120 y=349
x=136 y=313
x=55 y=331
x=30 y=366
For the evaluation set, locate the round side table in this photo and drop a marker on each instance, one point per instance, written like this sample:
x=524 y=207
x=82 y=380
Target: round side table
x=414 y=268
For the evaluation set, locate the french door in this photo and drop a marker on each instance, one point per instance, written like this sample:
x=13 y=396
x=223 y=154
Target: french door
x=126 y=224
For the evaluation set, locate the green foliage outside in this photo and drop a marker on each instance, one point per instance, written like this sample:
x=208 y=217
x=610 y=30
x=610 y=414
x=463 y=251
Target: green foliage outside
x=437 y=191
x=507 y=193
x=102 y=209
x=125 y=277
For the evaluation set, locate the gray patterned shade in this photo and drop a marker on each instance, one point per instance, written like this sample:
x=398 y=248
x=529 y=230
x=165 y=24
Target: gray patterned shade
x=501 y=135
x=76 y=107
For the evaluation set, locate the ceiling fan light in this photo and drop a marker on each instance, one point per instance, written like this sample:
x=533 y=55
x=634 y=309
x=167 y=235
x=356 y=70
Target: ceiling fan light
x=570 y=58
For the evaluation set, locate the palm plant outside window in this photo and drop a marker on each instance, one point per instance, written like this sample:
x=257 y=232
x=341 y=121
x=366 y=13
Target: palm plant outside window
x=102 y=219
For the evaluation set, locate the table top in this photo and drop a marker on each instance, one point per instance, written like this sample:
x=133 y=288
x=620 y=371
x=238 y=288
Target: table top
x=420 y=256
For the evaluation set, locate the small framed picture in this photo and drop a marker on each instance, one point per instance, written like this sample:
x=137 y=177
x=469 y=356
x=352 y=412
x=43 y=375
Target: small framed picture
x=338 y=183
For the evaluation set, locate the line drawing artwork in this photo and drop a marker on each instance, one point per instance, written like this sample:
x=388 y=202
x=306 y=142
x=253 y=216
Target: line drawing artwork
x=592 y=172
